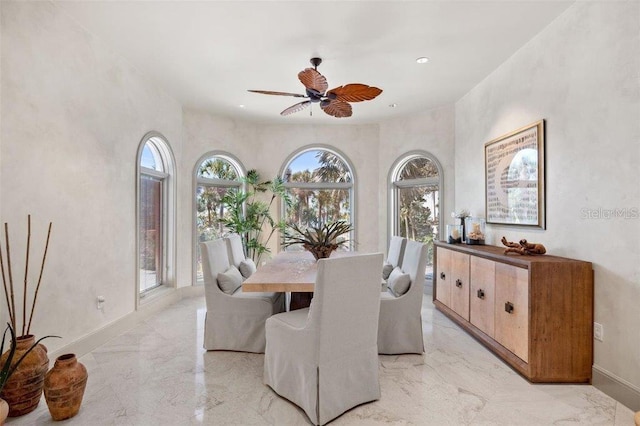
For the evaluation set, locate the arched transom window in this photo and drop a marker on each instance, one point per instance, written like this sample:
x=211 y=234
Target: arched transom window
x=321 y=183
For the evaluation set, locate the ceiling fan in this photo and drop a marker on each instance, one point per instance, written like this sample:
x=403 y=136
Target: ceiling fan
x=334 y=102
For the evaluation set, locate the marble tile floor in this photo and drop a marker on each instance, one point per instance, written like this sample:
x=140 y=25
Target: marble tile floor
x=158 y=374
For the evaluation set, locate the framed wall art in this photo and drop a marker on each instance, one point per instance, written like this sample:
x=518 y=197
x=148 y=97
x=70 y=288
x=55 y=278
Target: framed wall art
x=514 y=178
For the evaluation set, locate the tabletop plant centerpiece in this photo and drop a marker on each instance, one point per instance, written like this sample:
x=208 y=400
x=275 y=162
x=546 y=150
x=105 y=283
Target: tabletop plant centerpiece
x=23 y=387
x=320 y=241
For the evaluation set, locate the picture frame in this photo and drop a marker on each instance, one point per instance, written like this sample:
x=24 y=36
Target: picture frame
x=515 y=178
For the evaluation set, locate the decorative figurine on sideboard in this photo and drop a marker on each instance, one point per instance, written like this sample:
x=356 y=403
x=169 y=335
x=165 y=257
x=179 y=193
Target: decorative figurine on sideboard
x=523 y=247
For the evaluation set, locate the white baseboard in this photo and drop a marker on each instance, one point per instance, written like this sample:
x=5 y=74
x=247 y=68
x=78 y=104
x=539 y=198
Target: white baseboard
x=616 y=387
x=98 y=337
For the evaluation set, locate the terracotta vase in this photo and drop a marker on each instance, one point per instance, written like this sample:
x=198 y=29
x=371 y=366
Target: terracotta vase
x=4 y=411
x=64 y=387
x=24 y=388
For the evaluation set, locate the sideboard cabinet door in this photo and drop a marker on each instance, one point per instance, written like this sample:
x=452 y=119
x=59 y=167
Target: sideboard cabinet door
x=443 y=290
x=459 y=284
x=482 y=297
x=512 y=309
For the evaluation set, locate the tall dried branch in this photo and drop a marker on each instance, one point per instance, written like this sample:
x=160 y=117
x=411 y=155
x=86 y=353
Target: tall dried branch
x=26 y=273
x=13 y=299
x=35 y=296
x=6 y=290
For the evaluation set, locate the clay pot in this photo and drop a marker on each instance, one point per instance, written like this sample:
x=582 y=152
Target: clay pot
x=64 y=387
x=4 y=411
x=24 y=388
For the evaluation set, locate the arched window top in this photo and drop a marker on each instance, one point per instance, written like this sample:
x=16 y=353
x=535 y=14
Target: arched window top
x=415 y=166
x=151 y=157
x=418 y=168
x=317 y=165
x=219 y=166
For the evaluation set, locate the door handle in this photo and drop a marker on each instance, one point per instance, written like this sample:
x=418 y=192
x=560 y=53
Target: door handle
x=458 y=283
x=480 y=294
x=442 y=276
x=508 y=307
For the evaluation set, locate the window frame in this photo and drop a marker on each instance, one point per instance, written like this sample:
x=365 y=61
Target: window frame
x=394 y=184
x=242 y=173
x=350 y=186
x=168 y=214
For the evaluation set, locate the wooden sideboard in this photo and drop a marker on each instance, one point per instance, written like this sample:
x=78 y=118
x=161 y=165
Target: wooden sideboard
x=534 y=312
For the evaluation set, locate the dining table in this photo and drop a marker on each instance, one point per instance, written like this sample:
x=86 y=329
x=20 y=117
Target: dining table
x=291 y=272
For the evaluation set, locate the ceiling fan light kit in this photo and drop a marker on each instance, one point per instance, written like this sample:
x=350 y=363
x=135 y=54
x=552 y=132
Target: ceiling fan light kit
x=334 y=102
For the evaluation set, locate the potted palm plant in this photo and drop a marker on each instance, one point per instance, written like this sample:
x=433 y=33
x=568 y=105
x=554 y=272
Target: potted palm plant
x=320 y=241
x=249 y=213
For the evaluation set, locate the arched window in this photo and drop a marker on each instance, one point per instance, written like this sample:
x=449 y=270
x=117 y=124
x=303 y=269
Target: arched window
x=321 y=183
x=155 y=213
x=415 y=183
x=215 y=175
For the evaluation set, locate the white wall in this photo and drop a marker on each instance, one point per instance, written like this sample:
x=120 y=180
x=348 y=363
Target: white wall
x=73 y=114
x=581 y=75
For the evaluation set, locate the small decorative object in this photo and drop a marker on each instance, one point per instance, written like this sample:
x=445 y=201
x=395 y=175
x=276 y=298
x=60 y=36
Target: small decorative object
x=475 y=230
x=454 y=234
x=64 y=387
x=25 y=363
x=523 y=247
x=322 y=241
x=514 y=177
x=23 y=387
x=461 y=215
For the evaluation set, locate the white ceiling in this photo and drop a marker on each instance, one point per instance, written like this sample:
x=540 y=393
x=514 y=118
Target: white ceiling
x=206 y=54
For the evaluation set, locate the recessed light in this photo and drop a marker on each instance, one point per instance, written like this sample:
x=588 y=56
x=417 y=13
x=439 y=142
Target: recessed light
x=241 y=106
x=422 y=60
x=393 y=105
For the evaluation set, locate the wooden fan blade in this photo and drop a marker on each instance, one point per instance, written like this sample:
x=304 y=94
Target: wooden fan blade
x=355 y=92
x=336 y=108
x=268 y=92
x=312 y=79
x=295 y=108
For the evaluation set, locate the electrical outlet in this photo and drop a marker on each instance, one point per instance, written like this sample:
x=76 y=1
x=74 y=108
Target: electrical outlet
x=100 y=303
x=598 y=331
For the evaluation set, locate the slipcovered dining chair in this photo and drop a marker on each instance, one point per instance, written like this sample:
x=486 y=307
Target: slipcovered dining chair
x=237 y=258
x=324 y=358
x=234 y=320
x=394 y=257
x=400 y=322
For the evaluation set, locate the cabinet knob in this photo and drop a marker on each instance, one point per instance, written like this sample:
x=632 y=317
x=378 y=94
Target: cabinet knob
x=442 y=276
x=458 y=283
x=480 y=294
x=508 y=307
